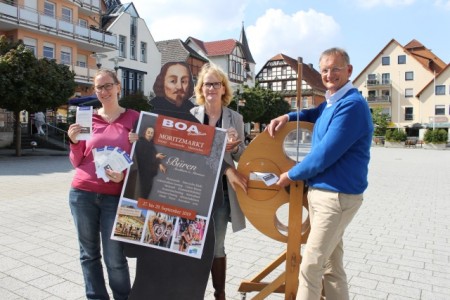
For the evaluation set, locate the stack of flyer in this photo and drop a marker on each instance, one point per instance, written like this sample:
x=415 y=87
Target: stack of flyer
x=110 y=158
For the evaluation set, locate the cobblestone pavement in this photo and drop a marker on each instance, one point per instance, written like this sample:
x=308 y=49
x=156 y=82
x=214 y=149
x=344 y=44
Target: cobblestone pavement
x=397 y=247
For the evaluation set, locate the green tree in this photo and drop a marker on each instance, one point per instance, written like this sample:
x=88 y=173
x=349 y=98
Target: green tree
x=136 y=101
x=380 y=121
x=28 y=83
x=54 y=88
x=251 y=104
x=274 y=106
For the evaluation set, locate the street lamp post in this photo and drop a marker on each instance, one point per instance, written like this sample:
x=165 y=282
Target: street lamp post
x=116 y=61
x=239 y=101
x=98 y=58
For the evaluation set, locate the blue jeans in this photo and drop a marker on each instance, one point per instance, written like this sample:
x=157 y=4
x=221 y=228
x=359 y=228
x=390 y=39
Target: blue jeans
x=221 y=219
x=94 y=216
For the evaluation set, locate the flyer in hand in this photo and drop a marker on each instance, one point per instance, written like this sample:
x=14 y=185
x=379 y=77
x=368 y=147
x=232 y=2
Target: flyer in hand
x=169 y=190
x=84 y=118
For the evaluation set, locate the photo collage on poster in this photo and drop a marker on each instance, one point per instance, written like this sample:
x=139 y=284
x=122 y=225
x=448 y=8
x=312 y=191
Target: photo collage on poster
x=169 y=189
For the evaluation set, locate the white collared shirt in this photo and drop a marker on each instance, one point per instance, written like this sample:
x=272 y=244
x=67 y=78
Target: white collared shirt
x=332 y=99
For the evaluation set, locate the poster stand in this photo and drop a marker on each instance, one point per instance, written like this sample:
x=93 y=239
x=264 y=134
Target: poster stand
x=261 y=203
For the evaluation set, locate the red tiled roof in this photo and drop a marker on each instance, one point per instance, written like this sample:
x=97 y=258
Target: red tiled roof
x=218 y=48
x=309 y=74
x=423 y=55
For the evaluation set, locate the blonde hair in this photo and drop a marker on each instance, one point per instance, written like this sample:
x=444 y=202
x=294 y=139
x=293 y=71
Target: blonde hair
x=216 y=70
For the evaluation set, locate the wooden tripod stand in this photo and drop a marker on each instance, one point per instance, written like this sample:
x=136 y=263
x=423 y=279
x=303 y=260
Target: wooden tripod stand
x=267 y=155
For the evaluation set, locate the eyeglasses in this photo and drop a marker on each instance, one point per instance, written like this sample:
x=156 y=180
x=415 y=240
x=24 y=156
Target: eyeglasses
x=106 y=87
x=215 y=85
x=332 y=70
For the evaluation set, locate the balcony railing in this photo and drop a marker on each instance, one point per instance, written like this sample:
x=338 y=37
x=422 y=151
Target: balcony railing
x=376 y=82
x=91 y=5
x=83 y=74
x=379 y=99
x=39 y=21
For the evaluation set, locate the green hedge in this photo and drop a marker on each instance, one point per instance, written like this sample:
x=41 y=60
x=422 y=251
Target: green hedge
x=436 y=136
x=395 y=135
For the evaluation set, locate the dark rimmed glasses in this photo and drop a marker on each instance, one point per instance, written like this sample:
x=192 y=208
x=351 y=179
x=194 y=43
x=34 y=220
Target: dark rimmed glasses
x=334 y=70
x=106 y=87
x=215 y=85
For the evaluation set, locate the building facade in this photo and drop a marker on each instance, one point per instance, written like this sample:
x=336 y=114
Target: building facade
x=86 y=35
x=137 y=60
x=67 y=31
x=281 y=74
x=410 y=84
x=434 y=101
x=177 y=50
x=233 y=56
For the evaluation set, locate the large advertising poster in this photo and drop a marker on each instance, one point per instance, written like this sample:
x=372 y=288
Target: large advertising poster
x=169 y=189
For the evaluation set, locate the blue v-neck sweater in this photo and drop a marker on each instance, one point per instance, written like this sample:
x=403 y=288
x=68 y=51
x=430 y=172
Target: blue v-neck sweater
x=341 y=141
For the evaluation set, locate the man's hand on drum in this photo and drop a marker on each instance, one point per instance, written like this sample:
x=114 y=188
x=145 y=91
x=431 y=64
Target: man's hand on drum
x=276 y=124
x=284 y=180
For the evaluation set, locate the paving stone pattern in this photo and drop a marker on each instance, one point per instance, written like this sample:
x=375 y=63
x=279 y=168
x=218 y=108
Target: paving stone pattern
x=397 y=247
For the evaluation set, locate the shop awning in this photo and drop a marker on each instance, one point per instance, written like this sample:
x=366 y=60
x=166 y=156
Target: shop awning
x=85 y=101
x=438 y=125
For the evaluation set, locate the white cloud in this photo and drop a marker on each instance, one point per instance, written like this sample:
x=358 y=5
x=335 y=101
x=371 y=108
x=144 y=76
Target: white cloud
x=389 y=3
x=303 y=33
x=170 y=19
x=300 y=33
x=443 y=3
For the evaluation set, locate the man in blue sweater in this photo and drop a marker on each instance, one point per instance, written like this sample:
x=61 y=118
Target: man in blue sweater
x=335 y=171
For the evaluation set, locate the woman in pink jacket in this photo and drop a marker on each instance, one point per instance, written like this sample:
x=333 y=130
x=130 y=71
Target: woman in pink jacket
x=93 y=201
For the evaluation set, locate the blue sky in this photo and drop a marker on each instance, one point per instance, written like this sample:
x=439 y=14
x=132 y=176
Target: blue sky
x=304 y=28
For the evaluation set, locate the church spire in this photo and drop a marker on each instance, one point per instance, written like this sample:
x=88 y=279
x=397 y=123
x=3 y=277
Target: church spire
x=245 y=47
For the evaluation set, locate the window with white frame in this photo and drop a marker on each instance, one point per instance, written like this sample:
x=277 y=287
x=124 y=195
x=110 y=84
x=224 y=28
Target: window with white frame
x=143 y=52
x=440 y=90
x=409 y=93
x=122 y=46
x=291 y=85
x=276 y=86
x=409 y=116
x=385 y=78
x=66 y=14
x=283 y=71
x=372 y=79
x=49 y=50
x=133 y=48
x=82 y=60
x=49 y=9
x=140 y=82
x=439 y=110
x=409 y=75
x=305 y=102
x=131 y=81
x=30 y=44
x=83 y=23
x=293 y=102
x=238 y=68
x=66 y=55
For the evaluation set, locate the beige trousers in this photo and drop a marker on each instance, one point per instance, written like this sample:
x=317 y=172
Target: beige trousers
x=329 y=214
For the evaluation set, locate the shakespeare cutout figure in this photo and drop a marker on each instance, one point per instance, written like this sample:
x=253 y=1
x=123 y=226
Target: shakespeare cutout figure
x=162 y=274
